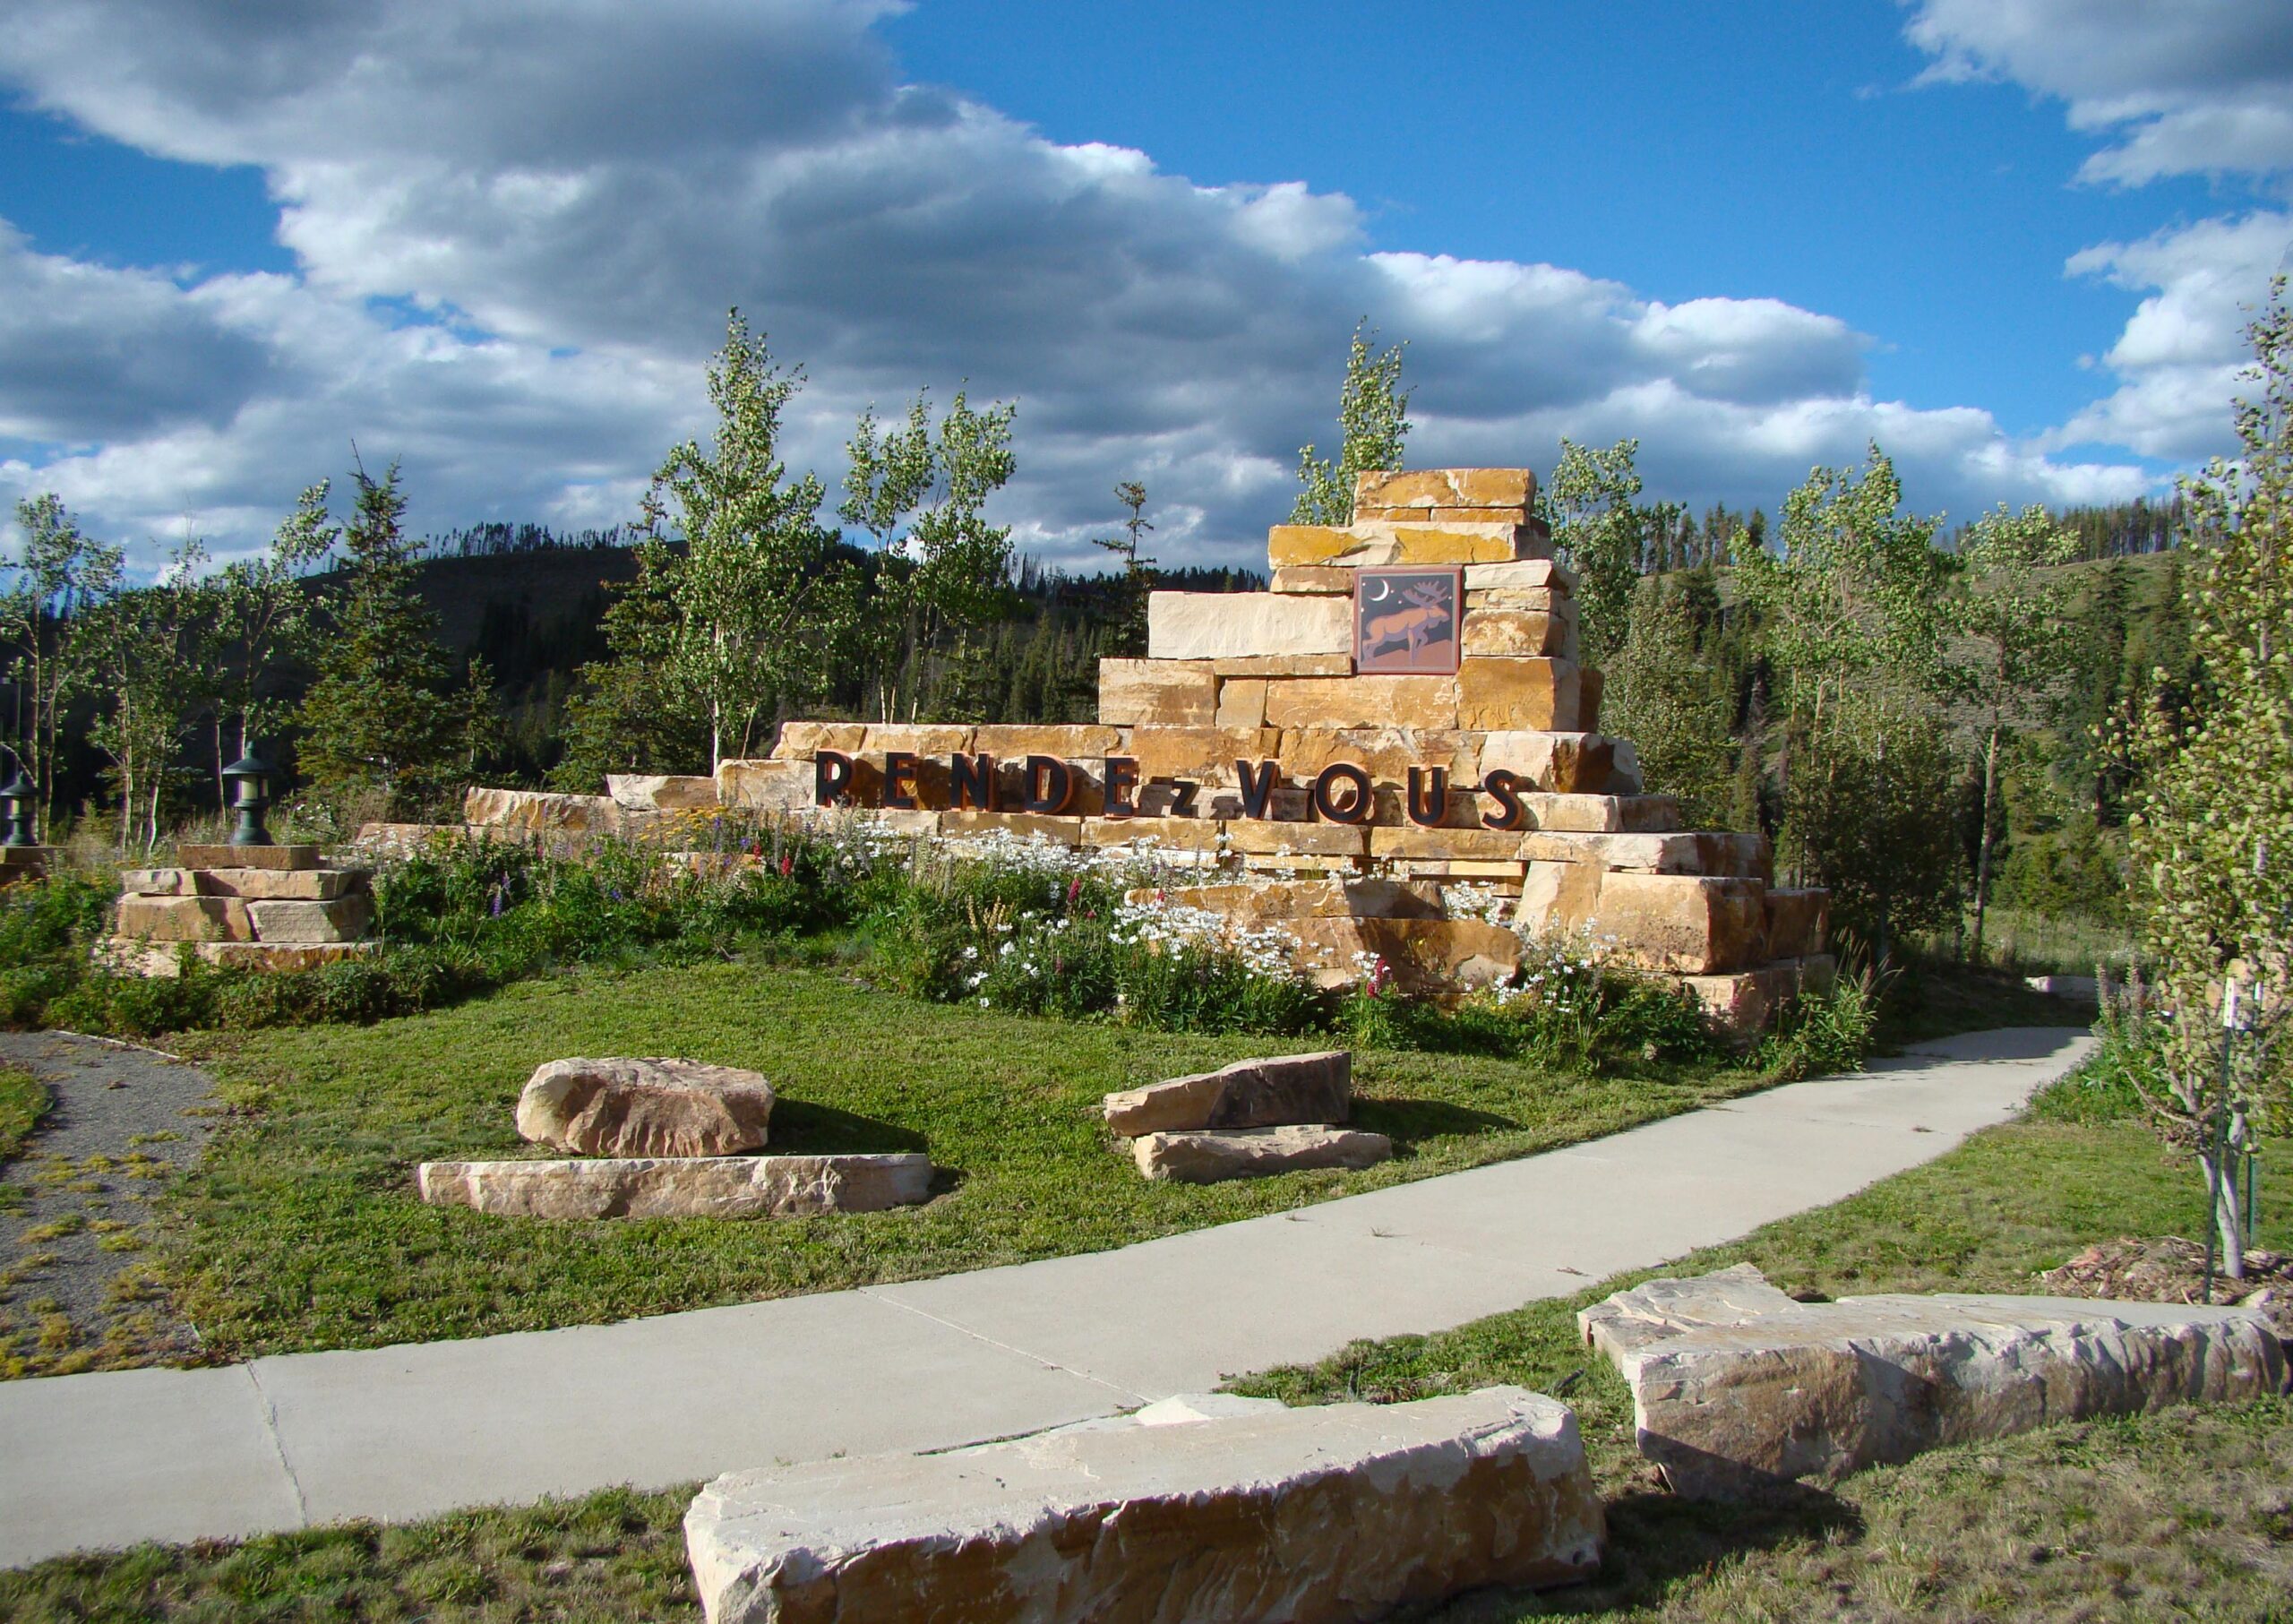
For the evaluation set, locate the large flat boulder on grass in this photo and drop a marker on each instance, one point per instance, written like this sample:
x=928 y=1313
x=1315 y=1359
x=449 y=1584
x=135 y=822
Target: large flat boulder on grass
x=679 y=1187
x=1284 y=1089
x=1751 y=1389
x=1337 y=1512
x=623 y=1108
x=1216 y=1154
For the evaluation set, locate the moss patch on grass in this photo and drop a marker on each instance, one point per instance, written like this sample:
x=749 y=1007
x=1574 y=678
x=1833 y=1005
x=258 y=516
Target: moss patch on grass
x=301 y=1229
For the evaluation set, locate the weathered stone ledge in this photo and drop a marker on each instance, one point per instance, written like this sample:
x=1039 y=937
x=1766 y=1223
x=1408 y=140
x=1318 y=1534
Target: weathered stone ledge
x=1736 y=1386
x=679 y=1187
x=1337 y=1512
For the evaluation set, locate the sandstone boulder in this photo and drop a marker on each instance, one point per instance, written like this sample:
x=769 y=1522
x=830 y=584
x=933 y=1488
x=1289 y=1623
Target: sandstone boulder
x=1220 y=625
x=1691 y=924
x=533 y=811
x=1744 y=1002
x=1282 y=1090
x=1167 y=692
x=183 y=919
x=1749 y=1390
x=1421 y=955
x=679 y=1187
x=774 y=785
x=1796 y=922
x=283 y=885
x=248 y=856
x=621 y=1107
x=1313 y=1515
x=661 y=792
x=1214 y=1156
x=343 y=919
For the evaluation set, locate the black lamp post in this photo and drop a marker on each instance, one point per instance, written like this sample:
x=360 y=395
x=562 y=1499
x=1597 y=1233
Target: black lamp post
x=18 y=796
x=249 y=779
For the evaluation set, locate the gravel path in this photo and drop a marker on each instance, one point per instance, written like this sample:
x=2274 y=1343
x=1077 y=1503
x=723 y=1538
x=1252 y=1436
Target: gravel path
x=76 y=1206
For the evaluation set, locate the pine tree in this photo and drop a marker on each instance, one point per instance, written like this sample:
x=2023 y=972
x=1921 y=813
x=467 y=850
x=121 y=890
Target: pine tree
x=1137 y=570
x=381 y=717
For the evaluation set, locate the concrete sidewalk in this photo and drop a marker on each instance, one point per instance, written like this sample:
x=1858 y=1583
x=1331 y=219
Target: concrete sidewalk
x=109 y=1459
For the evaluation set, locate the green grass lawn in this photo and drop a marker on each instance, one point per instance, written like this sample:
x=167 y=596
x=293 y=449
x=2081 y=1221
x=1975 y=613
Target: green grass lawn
x=2185 y=1514
x=301 y=1229
x=2123 y=1519
x=23 y=1102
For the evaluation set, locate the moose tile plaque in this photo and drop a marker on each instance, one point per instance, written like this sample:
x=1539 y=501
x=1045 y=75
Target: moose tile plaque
x=1405 y=621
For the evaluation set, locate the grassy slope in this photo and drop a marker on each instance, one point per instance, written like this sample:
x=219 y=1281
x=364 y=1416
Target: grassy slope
x=23 y=1102
x=2115 y=1520
x=2173 y=1515
x=302 y=1231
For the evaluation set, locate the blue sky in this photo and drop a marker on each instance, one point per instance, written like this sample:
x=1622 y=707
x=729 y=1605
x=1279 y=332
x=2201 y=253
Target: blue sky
x=2011 y=239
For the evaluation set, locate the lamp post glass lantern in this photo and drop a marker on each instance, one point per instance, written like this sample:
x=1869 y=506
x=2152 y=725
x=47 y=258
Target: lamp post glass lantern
x=18 y=796
x=249 y=778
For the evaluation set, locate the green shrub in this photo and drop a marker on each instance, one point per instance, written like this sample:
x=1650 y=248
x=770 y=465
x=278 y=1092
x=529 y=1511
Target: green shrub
x=1823 y=1034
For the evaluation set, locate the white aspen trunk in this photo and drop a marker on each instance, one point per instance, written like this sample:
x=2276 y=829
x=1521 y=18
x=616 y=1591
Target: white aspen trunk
x=1982 y=850
x=2228 y=1215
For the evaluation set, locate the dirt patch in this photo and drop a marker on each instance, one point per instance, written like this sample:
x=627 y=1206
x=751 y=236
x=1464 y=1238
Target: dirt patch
x=2171 y=1269
x=75 y=1207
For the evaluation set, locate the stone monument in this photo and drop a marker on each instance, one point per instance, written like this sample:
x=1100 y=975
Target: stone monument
x=1402 y=714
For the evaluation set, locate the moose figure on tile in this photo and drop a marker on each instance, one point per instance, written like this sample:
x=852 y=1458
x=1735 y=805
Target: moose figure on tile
x=1424 y=612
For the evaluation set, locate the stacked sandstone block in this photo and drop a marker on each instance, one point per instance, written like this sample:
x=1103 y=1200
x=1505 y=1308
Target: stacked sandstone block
x=1245 y=1120
x=270 y=907
x=1213 y=743
x=665 y=1138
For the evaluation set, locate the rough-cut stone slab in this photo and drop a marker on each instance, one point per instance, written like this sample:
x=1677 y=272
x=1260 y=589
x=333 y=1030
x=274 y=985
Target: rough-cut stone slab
x=248 y=856
x=1280 y=837
x=662 y=792
x=801 y=740
x=679 y=1187
x=1335 y=1513
x=183 y=919
x=1683 y=851
x=1746 y=1001
x=1445 y=487
x=136 y=959
x=404 y=838
x=1232 y=625
x=1278 y=1091
x=1421 y=955
x=1655 y=1309
x=534 y=811
x=1249 y=905
x=157 y=882
x=1511 y=633
x=1526 y=695
x=790 y=785
x=1796 y=921
x=623 y=1108
x=1746 y=1397
x=1077 y=744
x=1137 y=692
x=1362 y=701
x=1561 y=763
x=1532 y=574
x=1169 y=834
x=970 y=825
x=344 y=919
x=1603 y=814
x=1241 y=701
x=282 y=885
x=1314 y=579
x=1213 y=1156
x=1690 y=924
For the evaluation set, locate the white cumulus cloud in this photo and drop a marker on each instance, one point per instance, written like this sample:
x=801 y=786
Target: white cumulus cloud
x=517 y=229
